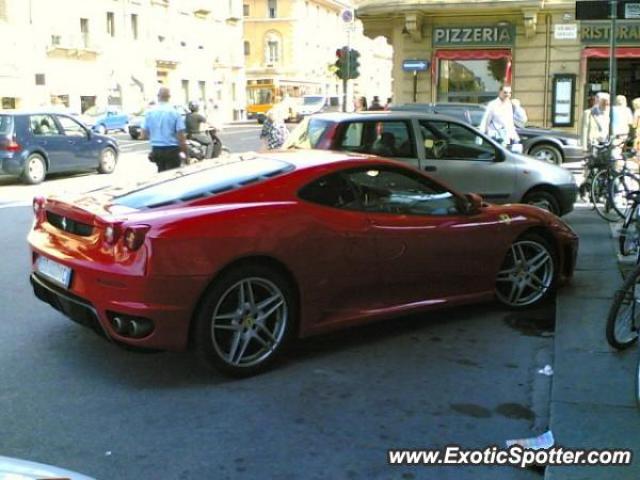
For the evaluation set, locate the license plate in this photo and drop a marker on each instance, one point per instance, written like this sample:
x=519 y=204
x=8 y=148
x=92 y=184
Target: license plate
x=54 y=271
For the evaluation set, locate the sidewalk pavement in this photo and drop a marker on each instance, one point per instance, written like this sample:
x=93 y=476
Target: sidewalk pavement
x=593 y=402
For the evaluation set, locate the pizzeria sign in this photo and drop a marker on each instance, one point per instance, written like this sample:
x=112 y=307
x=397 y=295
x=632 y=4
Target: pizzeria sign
x=478 y=35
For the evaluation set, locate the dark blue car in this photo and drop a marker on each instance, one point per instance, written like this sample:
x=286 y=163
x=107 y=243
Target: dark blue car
x=33 y=144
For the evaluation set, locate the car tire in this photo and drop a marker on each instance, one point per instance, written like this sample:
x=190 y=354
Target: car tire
x=108 y=160
x=35 y=169
x=546 y=153
x=246 y=320
x=101 y=129
x=543 y=199
x=529 y=273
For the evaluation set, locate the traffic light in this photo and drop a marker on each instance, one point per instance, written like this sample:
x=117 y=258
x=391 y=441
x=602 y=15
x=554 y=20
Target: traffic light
x=354 y=63
x=347 y=63
x=342 y=57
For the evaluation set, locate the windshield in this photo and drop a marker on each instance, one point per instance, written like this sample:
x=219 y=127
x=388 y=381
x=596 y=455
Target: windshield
x=312 y=100
x=6 y=124
x=308 y=133
x=203 y=183
x=260 y=96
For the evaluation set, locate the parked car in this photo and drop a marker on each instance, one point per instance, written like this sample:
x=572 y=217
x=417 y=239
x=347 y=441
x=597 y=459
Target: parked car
x=552 y=146
x=103 y=121
x=34 y=144
x=450 y=150
x=318 y=103
x=282 y=245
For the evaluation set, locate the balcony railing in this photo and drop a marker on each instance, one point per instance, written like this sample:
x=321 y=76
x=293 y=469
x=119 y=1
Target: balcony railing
x=80 y=44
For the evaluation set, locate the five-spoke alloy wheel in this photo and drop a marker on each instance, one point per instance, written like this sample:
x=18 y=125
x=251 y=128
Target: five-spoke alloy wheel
x=528 y=273
x=246 y=320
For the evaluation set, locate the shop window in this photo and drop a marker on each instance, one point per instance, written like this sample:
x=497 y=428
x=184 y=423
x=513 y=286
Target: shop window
x=470 y=80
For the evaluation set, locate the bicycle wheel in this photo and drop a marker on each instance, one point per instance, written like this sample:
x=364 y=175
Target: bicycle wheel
x=620 y=188
x=629 y=234
x=622 y=324
x=600 y=197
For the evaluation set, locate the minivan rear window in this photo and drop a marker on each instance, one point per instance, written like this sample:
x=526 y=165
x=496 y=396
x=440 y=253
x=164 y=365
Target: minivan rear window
x=204 y=183
x=6 y=125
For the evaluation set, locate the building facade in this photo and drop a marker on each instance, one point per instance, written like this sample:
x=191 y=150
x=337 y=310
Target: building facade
x=84 y=53
x=553 y=62
x=290 y=48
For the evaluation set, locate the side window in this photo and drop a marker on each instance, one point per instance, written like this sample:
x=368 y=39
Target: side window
x=455 y=141
x=393 y=140
x=331 y=191
x=352 y=139
x=400 y=192
x=43 y=125
x=71 y=128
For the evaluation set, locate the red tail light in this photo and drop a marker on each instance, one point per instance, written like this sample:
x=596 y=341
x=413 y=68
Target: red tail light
x=10 y=146
x=112 y=233
x=39 y=209
x=134 y=236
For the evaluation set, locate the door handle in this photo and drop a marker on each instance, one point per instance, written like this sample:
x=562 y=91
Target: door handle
x=430 y=168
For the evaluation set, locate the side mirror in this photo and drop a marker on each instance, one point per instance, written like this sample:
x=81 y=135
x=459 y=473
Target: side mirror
x=474 y=203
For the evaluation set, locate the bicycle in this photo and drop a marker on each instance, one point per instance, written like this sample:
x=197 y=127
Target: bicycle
x=610 y=187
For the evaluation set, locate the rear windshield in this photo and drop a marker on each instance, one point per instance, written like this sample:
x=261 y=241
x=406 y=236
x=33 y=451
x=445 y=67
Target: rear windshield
x=308 y=133
x=6 y=124
x=204 y=183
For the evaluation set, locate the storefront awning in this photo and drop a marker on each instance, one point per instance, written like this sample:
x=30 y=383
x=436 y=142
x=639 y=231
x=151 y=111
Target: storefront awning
x=474 y=54
x=603 y=52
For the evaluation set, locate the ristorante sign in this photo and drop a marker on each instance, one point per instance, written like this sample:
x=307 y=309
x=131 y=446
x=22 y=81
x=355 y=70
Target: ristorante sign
x=478 y=35
x=626 y=32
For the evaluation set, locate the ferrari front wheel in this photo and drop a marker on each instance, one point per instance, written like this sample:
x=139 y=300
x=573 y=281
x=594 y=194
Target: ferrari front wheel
x=528 y=273
x=246 y=320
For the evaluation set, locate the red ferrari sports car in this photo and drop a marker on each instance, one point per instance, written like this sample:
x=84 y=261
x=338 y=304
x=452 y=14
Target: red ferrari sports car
x=236 y=259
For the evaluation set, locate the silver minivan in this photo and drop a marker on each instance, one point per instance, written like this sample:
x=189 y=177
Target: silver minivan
x=447 y=149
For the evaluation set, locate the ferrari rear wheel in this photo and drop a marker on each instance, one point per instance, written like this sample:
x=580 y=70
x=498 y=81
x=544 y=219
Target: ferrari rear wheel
x=246 y=320
x=528 y=273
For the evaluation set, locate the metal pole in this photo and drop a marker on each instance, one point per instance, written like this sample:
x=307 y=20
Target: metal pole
x=612 y=63
x=415 y=86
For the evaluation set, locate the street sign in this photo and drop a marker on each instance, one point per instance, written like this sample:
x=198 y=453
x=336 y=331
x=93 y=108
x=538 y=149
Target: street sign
x=347 y=15
x=565 y=31
x=632 y=10
x=415 y=65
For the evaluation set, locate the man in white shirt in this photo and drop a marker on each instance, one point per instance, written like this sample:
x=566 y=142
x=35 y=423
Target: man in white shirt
x=497 y=121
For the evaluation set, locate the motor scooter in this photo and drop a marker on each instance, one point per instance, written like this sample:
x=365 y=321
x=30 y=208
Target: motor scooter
x=198 y=152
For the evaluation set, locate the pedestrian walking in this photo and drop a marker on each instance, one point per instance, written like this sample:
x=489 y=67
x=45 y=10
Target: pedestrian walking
x=274 y=131
x=520 y=118
x=596 y=125
x=499 y=118
x=622 y=119
x=375 y=104
x=635 y=127
x=165 y=128
x=361 y=104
